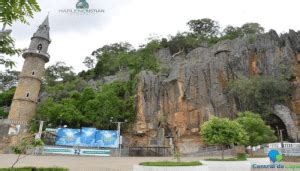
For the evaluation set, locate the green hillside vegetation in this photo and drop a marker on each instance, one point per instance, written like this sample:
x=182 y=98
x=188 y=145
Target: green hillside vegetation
x=260 y=93
x=70 y=99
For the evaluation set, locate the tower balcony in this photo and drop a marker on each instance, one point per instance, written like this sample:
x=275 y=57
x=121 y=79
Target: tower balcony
x=37 y=53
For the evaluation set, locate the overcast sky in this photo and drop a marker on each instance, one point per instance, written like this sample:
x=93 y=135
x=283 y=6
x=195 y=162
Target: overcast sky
x=75 y=37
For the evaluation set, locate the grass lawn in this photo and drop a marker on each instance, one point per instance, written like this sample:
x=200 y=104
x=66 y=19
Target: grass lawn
x=33 y=169
x=171 y=163
x=239 y=157
x=257 y=156
x=291 y=159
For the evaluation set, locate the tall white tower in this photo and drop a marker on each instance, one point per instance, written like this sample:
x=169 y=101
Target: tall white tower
x=25 y=100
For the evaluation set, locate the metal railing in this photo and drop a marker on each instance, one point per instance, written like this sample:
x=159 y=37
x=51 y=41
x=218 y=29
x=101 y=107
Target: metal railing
x=289 y=149
x=149 y=151
x=8 y=121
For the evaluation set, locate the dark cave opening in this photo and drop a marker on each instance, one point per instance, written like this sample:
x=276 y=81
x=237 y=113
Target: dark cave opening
x=277 y=124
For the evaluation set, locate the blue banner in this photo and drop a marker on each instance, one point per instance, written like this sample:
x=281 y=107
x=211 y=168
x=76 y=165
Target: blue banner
x=107 y=138
x=66 y=136
x=87 y=137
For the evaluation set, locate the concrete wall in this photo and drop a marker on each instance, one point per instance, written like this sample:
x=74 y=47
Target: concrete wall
x=227 y=165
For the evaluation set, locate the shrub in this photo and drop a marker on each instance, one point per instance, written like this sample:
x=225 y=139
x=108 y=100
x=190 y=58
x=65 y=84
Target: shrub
x=241 y=156
x=224 y=132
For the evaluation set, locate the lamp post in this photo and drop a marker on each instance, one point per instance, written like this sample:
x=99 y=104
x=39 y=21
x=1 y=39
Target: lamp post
x=41 y=124
x=281 y=141
x=119 y=132
x=60 y=124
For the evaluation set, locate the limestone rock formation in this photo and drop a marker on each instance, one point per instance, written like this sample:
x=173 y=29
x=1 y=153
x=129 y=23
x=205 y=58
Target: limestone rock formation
x=195 y=87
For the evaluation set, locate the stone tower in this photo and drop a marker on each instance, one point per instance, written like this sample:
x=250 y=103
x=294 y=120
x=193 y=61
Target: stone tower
x=25 y=100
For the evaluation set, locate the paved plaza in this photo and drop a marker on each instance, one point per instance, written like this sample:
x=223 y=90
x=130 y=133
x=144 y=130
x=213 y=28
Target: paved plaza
x=79 y=163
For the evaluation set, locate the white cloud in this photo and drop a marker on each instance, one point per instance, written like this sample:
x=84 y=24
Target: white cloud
x=74 y=37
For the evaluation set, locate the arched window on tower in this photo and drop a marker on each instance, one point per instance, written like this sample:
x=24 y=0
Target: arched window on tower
x=27 y=94
x=40 y=47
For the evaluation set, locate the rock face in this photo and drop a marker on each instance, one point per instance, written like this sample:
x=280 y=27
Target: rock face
x=195 y=87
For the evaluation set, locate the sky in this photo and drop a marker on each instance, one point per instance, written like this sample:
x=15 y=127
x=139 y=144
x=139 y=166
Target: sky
x=75 y=36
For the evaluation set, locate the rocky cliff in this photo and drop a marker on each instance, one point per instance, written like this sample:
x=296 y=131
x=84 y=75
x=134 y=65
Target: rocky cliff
x=195 y=87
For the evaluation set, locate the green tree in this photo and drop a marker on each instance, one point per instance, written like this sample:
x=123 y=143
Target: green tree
x=252 y=28
x=89 y=62
x=12 y=11
x=258 y=132
x=204 y=27
x=115 y=100
x=231 y=32
x=204 y=32
x=5 y=101
x=7 y=47
x=58 y=114
x=260 y=93
x=120 y=57
x=27 y=143
x=108 y=58
x=144 y=59
x=183 y=42
x=87 y=75
x=222 y=131
x=63 y=90
x=8 y=79
x=17 y=10
x=3 y=113
x=59 y=72
x=7 y=96
x=82 y=98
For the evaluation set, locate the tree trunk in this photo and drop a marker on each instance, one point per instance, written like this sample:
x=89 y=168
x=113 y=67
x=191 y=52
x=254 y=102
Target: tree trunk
x=251 y=152
x=16 y=161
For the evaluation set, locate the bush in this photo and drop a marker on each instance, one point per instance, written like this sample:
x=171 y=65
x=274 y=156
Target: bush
x=241 y=156
x=3 y=114
x=7 y=96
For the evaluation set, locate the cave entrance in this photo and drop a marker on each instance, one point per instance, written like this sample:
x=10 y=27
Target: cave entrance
x=277 y=124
